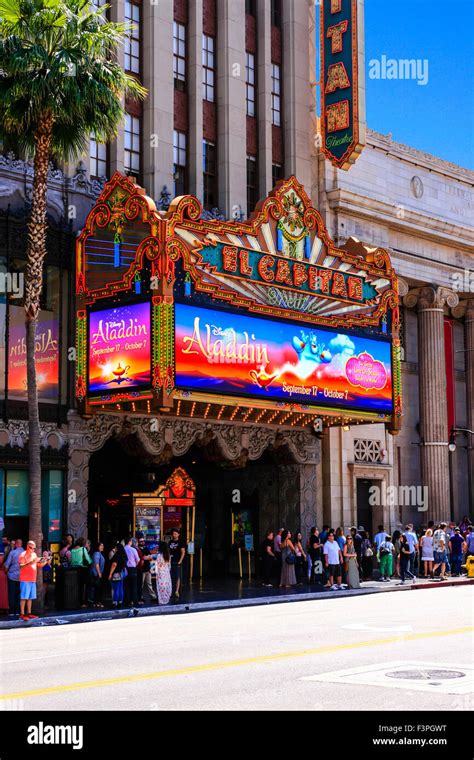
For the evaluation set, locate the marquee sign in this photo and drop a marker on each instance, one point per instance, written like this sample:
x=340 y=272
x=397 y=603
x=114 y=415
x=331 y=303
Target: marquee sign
x=181 y=315
x=342 y=87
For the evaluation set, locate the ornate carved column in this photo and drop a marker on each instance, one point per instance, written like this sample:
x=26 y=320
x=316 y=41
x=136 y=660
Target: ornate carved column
x=433 y=403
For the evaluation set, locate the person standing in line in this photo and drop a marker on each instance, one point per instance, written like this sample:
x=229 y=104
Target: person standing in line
x=413 y=544
x=268 y=559
x=81 y=559
x=333 y=560
x=288 y=577
x=380 y=536
x=12 y=568
x=300 y=557
x=163 y=574
x=367 y=557
x=277 y=553
x=324 y=534
x=350 y=563
x=457 y=547
x=177 y=549
x=131 y=582
x=146 y=592
x=405 y=560
x=440 y=547
x=396 y=543
x=117 y=573
x=341 y=540
x=29 y=562
x=427 y=557
x=357 y=546
x=470 y=541
x=316 y=553
x=385 y=557
x=96 y=575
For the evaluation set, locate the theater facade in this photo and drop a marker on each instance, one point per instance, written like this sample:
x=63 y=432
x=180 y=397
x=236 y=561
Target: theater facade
x=223 y=350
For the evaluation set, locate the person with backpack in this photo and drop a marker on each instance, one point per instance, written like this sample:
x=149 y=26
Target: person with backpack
x=81 y=558
x=385 y=557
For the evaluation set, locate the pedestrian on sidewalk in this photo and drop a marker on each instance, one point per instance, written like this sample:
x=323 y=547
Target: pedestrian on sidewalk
x=316 y=554
x=457 y=547
x=427 y=557
x=81 y=559
x=358 y=546
x=95 y=590
x=288 y=559
x=333 y=560
x=385 y=557
x=131 y=582
x=300 y=557
x=177 y=549
x=268 y=559
x=29 y=562
x=396 y=542
x=164 y=586
x=413 y=543
x=117 y=573
x=440 y=548
x=470 y=541
x=12 y=568
x=146 y=591
x=367 y=557
x=405 y=555
x=350 y=563
x=277 y=553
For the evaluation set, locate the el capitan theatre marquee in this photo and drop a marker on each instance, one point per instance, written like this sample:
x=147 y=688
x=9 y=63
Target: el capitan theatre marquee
x=263 y=321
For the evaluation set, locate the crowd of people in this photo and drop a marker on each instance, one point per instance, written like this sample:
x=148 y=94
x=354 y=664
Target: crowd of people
x=130 y=575
x=337 y=560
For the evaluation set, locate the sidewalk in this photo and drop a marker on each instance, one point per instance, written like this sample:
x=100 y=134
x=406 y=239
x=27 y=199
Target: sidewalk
x=209 y=595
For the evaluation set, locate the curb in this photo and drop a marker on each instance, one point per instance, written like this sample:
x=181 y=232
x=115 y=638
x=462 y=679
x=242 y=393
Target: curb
x=174 y=609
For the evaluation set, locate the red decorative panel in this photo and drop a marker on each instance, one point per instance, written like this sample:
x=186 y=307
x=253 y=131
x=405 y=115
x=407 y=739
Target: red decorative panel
x=209 y=118
x=209 y=17
x=276 y=45
x=277 y=145
x=180 y=11
x=180 y=111
x=250 y=34
x=252 y=136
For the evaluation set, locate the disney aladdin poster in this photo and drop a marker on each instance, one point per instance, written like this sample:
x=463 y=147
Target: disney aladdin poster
x=119 y=349
x=223 y=353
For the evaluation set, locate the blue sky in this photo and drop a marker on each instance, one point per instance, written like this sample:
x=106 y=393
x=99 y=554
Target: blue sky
x=437 y=117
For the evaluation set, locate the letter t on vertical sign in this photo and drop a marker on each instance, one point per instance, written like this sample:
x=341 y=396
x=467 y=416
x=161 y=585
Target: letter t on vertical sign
x=343 y=81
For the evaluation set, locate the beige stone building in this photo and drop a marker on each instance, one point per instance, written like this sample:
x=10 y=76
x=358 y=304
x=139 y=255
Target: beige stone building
x=420 y=208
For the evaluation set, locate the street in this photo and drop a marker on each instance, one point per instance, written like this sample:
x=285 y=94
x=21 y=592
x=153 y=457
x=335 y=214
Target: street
x=264 y=657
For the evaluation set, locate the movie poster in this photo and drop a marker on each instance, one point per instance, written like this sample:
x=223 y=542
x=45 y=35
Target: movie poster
x=119 y=349
x=226 y=353
x=46 y=355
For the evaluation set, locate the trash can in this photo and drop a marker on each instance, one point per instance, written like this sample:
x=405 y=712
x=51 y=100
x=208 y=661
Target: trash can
x=67 y=588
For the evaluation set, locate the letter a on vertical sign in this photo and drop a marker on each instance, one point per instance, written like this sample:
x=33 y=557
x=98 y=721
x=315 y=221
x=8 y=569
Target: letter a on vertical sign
x=343 y=81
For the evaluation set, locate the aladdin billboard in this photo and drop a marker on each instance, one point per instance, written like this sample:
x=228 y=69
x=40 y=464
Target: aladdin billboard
x=46 y=355
x=119 y=349
x=227 y=353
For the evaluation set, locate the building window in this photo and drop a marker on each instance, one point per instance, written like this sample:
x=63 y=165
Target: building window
x=209 y=170
x=252 y=183
x=250 y=84
x=179 y=160
x=208 y=67
x=132 y=140
x=250 y=7
x=276 y=12
x=98 y=158
x=132 y=41
x=277 y=173
x=179 y=56
x=276 y=95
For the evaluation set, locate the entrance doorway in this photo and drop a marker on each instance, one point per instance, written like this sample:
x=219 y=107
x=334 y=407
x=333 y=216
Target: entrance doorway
x=369 y=515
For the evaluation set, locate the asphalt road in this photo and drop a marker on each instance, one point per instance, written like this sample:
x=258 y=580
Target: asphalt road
x=253 y=658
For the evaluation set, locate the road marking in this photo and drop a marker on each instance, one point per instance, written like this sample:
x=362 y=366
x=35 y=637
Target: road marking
x=191 y=669
x=377 y=628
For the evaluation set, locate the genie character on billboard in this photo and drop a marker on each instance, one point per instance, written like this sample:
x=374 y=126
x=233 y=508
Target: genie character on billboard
x=225 y=353
x=119 y=349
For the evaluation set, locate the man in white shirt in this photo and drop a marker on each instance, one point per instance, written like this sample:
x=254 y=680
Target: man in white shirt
x=333 y=560
x=440 y=550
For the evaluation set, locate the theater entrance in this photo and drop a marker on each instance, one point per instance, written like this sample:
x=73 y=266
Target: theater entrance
x=254 y=495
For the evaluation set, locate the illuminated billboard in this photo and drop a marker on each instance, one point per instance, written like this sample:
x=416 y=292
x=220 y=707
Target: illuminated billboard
x=119 y=349
x=46 y=355
x=224 y=353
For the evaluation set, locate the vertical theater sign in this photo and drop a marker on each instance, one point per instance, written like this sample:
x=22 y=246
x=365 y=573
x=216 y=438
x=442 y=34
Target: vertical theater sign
x=264 y=321
x=342 y=86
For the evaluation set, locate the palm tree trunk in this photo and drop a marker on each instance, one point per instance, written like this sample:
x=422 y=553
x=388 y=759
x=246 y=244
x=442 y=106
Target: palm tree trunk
x=33 y=286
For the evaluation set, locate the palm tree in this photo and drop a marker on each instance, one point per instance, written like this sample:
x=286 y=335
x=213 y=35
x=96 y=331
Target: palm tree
x=60 y=83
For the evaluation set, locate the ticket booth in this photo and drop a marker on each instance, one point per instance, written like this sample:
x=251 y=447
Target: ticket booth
x=172 y=505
